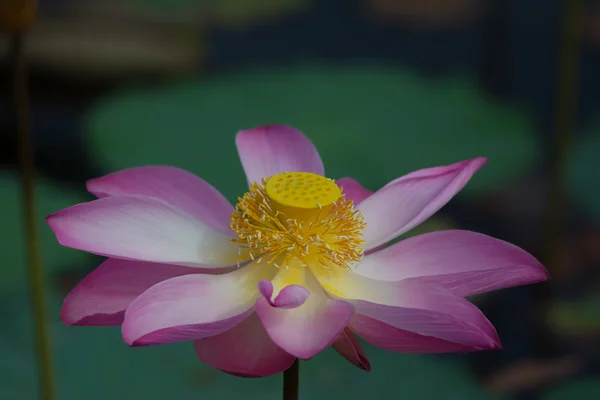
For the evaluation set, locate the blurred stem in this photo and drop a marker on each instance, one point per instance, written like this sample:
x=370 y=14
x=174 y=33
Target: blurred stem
x=566 y=106
x=555 y=213
x=291 y=379
x=36 y=275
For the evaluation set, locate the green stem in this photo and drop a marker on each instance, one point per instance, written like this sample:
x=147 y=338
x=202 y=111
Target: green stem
x=36 y=274
x=291 y=379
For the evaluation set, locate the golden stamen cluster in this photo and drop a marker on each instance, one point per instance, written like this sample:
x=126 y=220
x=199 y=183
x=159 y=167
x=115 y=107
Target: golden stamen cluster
x=330 y=237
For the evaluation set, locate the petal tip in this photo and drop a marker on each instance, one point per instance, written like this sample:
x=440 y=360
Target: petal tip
x=537 y=272
x=133 y=337
x=66 y=319
x=126 y=334
x=480 y=160
x=244 y=134
x=264 y=128
x=94 y=186
x=475 y=164
x=142 y=341
x=366 y=366
x=50 y=218
x=363 y=363
x=495 y=342
x=54 y=222
x=544 y=273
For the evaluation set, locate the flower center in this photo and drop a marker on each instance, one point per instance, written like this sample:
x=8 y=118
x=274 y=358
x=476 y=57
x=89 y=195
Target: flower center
x=298 y=218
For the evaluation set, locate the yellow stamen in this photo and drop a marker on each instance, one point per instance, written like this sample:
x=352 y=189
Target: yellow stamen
x=298 y=218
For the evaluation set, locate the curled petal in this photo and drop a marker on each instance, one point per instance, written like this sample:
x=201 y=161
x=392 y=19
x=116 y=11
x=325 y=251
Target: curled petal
x=353 y=190
x=464 y=262
x=289 y=297
x=104 y=295
x=349 y=348
x=286 y=289
x=306 y=330
x=192 y=306
x=175 y=186
x=245 y=350
x=142 y=229
x=269 y=150
x=409 y=200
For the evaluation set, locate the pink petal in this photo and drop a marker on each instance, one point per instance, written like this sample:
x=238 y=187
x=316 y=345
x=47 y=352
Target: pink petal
x=389 y=338
x=407 y=201
x=102 y=297
x=143 y=229
x=353 y=190
x=349 y=348
x=429 y=311
x=269 y=150
x=245 y=350
x=191 y=307
x=464 y=262
x=291 y=296
x=309 y=329
x=175 y=186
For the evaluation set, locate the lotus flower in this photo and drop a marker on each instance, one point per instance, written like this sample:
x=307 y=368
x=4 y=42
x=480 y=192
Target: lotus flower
x=297 y=266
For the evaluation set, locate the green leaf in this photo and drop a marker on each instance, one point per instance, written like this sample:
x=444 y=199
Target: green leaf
x=372 y=124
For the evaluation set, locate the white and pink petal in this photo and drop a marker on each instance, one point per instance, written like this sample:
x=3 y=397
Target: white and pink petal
x=409 y=200
x=270 y=150
x=143 y=229
x=175 y=186
x=193 y=306
x=463 y=262
x=102 y=297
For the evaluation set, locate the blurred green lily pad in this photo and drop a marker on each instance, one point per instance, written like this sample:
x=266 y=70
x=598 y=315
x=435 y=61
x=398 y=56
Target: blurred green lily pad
x=371 y=124
x=55 y=258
